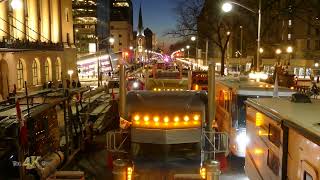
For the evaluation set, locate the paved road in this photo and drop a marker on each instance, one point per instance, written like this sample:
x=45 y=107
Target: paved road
x=94 y=164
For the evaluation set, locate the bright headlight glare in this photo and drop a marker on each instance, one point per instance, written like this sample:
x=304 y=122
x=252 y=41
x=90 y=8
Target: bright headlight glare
x=135 y=85
x=242 y=138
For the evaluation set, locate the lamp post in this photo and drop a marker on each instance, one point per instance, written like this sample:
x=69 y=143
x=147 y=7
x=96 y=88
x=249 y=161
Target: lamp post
x=111 y=41
x=182 y=50
x=70 y=72
x=227 y=7
x=188 y=47
x=278 y=52
x=289 y=51
x=193 y=38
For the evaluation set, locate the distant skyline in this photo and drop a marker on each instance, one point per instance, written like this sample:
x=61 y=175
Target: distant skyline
x=158 y=15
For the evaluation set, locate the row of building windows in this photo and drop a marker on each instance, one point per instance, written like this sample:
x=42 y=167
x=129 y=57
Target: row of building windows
x=36 y=72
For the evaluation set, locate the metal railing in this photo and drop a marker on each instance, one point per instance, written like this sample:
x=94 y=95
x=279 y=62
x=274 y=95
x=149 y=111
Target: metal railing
x=116 y=140
x=214 y=142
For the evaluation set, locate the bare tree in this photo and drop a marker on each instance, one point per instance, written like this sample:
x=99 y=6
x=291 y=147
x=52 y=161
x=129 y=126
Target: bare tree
x=187 y=12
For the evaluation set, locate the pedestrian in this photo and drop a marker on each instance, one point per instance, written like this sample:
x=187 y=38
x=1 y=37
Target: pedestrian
x=74 y=84
x=78 y=84
x=68 y=83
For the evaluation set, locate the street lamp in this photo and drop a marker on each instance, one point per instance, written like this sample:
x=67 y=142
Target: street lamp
x=131 y=48
x=289 y=51
x=16 y=4
x=188 y=47
x=227 y=7
x=193 y=38
x=278 y=52
x=70 y=72
x=261 y=50
x=111 y=40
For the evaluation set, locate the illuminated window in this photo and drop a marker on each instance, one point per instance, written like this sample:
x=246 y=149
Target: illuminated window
x=289 y=36
x=120 y=4
x=290 y=22
x=58 y=69
x=47 y=70
x=20 y=77
x=35 y=73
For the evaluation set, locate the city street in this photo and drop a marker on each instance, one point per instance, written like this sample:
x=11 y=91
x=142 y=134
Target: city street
x=95 y=161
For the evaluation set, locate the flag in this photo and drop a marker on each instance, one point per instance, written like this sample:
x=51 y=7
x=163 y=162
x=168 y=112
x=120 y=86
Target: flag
x=112 y=93
x=124 y=124
x=276 y=87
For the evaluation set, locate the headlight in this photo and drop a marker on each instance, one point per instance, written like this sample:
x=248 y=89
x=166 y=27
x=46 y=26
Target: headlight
x=135 y=85
x=242 y=138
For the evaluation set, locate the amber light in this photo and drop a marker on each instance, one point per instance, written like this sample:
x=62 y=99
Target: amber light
x=136 y=118
x=259 y=119
x=129 y=173
x=166 y=119
x=258 y=151
x=203 y=172
x=176 y=119
x=156 y=119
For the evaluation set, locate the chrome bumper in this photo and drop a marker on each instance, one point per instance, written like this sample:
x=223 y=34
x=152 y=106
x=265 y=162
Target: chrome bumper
x=165 y=136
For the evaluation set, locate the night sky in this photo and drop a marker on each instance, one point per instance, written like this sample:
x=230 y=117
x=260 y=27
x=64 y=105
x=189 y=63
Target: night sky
x=158 y=15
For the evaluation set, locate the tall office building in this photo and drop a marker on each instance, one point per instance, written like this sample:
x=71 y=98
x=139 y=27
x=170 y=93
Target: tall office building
x=121 y=24
x=36 y=44
x=91 y=24
x=149 y=37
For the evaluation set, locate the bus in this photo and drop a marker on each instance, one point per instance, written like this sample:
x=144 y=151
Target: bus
x=230 y=110
x=284 y=139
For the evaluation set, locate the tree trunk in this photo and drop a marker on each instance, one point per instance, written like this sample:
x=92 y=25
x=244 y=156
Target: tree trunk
x=222 y=62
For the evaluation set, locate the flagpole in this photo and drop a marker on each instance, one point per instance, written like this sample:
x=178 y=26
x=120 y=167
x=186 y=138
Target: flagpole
x=20 y=148
x=28 y=109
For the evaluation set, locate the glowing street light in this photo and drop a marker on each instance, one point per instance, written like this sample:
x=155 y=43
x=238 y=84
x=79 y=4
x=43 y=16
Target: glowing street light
x=111 y=40
x=188 y=47
x=316 y=64
x=289 y=49
x=16 y=4
x=131 y=48
x=278 y=51
x=182 y=49
x=227 y=7
x=260 y=50
x=193 y=38
x=228 y=33
x=70 y=72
